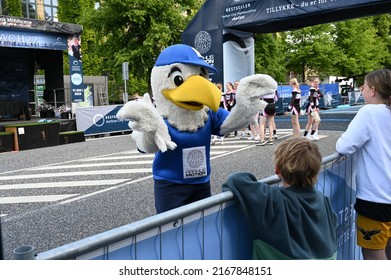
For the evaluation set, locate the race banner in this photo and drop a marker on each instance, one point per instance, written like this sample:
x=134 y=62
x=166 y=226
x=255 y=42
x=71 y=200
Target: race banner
x=76 y=69
x=261 y=16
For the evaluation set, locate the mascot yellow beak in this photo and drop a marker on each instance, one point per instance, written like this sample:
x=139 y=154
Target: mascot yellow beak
x=194 y=93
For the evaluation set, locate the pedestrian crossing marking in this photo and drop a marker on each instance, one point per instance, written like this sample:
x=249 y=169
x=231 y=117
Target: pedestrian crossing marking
x=75 y=166
x=119 y=157
x=77 y=173
x=218 y=146
x=63 y=184
x=131 y=158
x=34 y=198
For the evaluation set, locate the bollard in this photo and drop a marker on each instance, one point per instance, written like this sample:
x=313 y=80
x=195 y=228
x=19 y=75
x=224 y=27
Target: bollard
x=26 y=252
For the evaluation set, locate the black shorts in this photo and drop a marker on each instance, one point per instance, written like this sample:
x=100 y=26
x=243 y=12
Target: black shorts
x=270 y=109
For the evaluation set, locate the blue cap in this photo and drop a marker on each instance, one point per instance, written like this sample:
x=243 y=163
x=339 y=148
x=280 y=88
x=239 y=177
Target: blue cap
x=181 y=53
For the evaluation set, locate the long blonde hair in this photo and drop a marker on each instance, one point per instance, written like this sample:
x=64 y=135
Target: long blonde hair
x=295 y=84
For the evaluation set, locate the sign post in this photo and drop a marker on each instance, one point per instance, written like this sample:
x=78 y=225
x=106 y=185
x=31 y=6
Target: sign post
x=125 y=77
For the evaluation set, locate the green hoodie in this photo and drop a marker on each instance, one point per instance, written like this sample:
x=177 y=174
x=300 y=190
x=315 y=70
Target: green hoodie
x=287 y=223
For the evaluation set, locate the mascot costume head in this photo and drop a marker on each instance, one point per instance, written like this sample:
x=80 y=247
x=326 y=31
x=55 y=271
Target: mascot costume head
x=179 y=125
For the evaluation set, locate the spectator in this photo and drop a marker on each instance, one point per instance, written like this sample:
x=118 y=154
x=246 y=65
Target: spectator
x=230 y=98
x=268 y=115
x=368 y=137
x=294 y=221
x=294 y=106
x=312 y=109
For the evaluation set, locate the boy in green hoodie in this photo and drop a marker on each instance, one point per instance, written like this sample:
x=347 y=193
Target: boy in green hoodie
x=294 y=221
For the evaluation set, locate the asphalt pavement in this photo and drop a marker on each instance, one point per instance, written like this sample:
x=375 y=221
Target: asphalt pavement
x=118 y=187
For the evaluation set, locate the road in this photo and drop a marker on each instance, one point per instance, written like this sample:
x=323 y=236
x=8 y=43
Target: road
x=56 y=195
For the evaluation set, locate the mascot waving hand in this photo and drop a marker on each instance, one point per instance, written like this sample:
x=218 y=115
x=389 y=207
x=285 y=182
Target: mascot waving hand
x=179 y=126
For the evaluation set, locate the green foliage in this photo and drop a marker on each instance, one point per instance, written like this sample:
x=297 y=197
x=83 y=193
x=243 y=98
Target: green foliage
x=72 y=11
x=13 y=8
x=135 y=31
x=311 y=49
x=360 y=47
x=269 y=55
x=69 y=10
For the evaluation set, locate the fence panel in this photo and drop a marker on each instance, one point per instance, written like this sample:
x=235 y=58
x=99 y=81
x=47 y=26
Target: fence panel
x=213 y=228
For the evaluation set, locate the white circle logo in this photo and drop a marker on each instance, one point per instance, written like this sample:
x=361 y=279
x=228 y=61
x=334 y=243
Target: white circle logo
x=76 y=79
x=203 y=42
x=98 y=120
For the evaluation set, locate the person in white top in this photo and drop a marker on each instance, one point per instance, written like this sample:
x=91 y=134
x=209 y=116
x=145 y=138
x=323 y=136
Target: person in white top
x=368 y=139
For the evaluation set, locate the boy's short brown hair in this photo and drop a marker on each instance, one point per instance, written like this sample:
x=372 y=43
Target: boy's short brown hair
x=298 y=161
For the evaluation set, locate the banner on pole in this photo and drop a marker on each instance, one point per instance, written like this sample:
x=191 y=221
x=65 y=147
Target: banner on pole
x=76 y=69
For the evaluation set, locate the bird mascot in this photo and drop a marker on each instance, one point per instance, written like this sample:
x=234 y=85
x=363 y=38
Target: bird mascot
x=179 y=124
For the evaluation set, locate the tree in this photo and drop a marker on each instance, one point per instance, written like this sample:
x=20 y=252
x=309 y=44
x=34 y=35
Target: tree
x=311 y=50
x=13 y=8
x=360 y=48
x=136 y=31
x=382 y=24
x=269 y=55
x=72 y=11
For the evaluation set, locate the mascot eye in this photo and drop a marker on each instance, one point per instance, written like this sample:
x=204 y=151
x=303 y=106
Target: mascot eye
x=177 y=78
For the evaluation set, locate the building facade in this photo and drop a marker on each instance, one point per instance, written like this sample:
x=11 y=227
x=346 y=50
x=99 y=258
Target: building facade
x=34 y=9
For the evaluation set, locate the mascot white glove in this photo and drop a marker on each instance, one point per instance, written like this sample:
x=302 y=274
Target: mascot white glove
x=150 y=132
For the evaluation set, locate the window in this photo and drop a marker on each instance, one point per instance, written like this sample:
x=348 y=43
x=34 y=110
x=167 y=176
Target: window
x=28 y=9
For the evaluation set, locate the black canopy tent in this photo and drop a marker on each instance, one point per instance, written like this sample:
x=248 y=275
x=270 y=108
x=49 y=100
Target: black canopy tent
x=240 y=19
x=25 y=46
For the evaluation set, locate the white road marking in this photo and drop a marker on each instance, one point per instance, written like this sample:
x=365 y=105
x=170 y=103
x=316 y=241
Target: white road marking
x=62 y=184
x=77 y=173
x=37 y=198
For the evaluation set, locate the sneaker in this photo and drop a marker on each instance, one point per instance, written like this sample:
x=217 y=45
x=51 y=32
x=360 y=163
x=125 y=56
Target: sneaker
x=275 y=136
x=309 y=137
x=315 y=137
x=243 y=136
x=270 y=142
x=261 y=143
x=257 y=138
x=251 y=138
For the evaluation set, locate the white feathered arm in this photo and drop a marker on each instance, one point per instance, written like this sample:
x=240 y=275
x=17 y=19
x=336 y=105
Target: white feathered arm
x=248 y=103
x=150 y=132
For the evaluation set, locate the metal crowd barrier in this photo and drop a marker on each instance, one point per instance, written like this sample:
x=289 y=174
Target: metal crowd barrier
x=212 y=228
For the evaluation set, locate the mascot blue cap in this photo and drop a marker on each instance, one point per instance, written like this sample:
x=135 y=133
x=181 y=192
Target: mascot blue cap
x=182 y=54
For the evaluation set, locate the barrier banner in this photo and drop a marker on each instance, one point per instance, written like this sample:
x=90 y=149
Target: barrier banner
x=338 y=183
x=99 y=120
